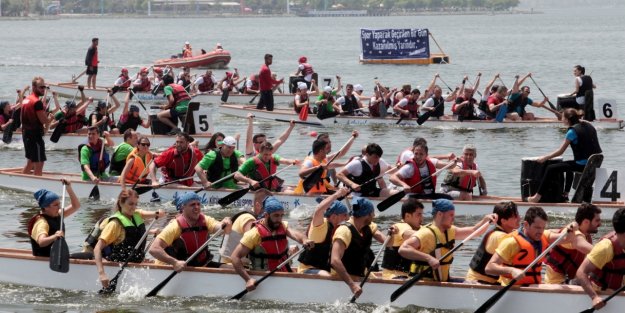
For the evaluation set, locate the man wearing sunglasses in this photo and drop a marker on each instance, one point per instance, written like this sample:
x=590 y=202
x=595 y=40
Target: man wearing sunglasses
x=34 y=119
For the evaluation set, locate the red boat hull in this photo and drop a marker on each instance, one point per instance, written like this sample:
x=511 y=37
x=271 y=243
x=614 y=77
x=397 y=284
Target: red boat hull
x=213 y=59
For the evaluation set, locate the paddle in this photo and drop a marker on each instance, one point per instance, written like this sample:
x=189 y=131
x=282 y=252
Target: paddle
x=7 y=135
x=397 y=293
x=143 y=189
x=225 y=94
x=392 y=199
x=553 y=107
x=373 y=264
x=616 y=292
x=490 y=302
x=314 y=177
x=297 y=122
x=113 y=283
x=76 y=77
x=240 y=295
x=95 y=192
x=141 y=103
x=59 y=252
x=60 y=126
x=162 y=284
x=145 y=168
x=234 y=196
x=254 y=97
x=425 y=116
x=441 y=79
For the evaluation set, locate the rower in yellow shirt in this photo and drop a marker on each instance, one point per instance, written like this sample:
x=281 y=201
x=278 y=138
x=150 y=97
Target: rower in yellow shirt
x=394 y=265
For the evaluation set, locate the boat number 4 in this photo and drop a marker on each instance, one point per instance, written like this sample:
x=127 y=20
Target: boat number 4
x=608 y=185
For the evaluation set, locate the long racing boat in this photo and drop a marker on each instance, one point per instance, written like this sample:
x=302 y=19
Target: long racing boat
x=294 y=288
x=12 y=178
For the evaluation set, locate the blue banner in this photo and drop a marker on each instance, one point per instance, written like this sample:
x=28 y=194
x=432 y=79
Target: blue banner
x=405 y=43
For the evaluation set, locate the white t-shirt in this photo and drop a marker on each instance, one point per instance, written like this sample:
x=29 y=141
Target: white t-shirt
x=200 y=80
x=308 y=77
x=354 y=167
x=402 y=103
x=120 y=81
x=407 y=171
x=429 y=103
x=249 y=84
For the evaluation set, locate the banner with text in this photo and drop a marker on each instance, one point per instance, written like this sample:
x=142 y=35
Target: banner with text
x=405 y=43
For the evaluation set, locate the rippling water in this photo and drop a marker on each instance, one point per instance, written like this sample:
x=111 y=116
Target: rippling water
x=548 y=45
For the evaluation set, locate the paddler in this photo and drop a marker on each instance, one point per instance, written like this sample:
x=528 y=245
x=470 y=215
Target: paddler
x=73 y=116
x=220 y=163
x=462 y=178
x=394 y=266
x=261 y=166
x=93 y=166
x=142 y=82
x=177 y=162
x=122 y=151
x=361 y=170
x=136 y=163
x=123 y=81
x=205 y=84
x=130 y=117
x=253 y=141
x=177 y=104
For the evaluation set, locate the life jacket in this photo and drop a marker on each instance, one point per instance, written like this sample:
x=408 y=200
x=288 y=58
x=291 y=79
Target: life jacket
x=465 y=183
x=354 y=258
x=94 y=234
x=255 y=84
x=178 y=168
x=525 y=256
x=413 y=108
x=134 y=228
x=273 y=184
x=481 y=257
x=439 y=107
x=98 y=117
x=586 y=85
x=124 y=86
x=308 y=69
x=302 y=98
x=30 y=121
x=207 y=84
x=217 y=170
x=54 y=225
x=350 y=105
x=392 y=260
x=94 y=162
x=566 y=261
x=483 y=106
x=466 y=111
x=73 y=123
x=320 y=187
x=611 y=275
x=145 y=85
x=191 y=238
x=138 y=166
x=180 y=94
x=444 y=243
x=416 y=177
x=587 y=141
x=131 y=122
x=231 y=241
x=367 y=174
x=117 y=166
x=272 y=250
x=319 y=255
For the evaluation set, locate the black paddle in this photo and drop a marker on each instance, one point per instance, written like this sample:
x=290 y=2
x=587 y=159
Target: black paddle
x=59 y=252
x=225 y=94
x=441 y=79
x=373 y=264
x=313 y=178
x=95 y=192
x=113 y=283
x=143 y=189
x=490 y=302
x=134 y=94
x=553 y=107
x=254 y=97
x=397 y=293
x=392 y=199
x=7 y=135
x=160 y=286
x=234 y=196
x=616 y=292
x=240 y=295
x=297 y=122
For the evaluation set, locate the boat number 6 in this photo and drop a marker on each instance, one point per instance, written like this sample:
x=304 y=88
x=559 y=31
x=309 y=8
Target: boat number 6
x=203 y=121
x=612 y=193
x=607 y=110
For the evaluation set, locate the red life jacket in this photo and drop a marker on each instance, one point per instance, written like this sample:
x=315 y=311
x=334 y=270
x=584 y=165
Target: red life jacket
x=126 y=83
x=255 y=83
x=611 y=275
x=262 y=173
x=466 y=183
x=402 y=152
x=273 y=248
x=302 y=98
x=413 y=108
x=178 y=168
x=566 y=261
x=207 y=84
x=30 y=121
x=525 y=256
x=416 y=177
x=145 y=85
x=73 y=123
x=180 y=94
x=193 y=237
x=308 y=69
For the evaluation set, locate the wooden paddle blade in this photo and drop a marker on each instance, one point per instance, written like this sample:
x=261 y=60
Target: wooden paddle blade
x=400 y=291
x=312 y=179
x=490 y=302
x=7 y=135
x=95 y=193
x=143 y=189
x=160 y=286
x=59 y=256
x=225 y=201
x=239 y=295
x=390 y=201
x=57 y=132
x=424 y=117
x=225 y=95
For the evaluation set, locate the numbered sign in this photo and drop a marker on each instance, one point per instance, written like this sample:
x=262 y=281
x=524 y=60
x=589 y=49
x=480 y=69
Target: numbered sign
x=608 y=185
x=203 y=121
x=605 y=108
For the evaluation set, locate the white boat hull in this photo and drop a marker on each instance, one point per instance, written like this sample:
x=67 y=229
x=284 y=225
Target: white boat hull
x=303 y=204
x=139 y=279
x=357 y=121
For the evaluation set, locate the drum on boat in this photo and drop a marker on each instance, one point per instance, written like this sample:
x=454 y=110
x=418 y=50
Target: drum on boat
x=566 y=101
x=531 y=175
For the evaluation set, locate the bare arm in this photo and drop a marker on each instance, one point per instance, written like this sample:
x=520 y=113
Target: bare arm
x=285 y=135
x=338 y=249
x=556 y=153
x=249 y=135
x=464 y=232
x=157 y=250
x=240 y=252
x=582 y=276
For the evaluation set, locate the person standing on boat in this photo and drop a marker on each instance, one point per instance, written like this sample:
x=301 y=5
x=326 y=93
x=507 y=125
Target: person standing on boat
x=91 y=61
x=351 y=244
x=45 y=227
x=266 y=83
x=205 y=84
x=130 y=117
x=220 y=163
x=34 y=119
x=582 y=137
x=521 y=247
x=262 y=166
x=434 y=240
x=136 y=163
x=394 y=266
x=358 y=171
x=177 y=162
x=584 y=94
x=253 y=141
x=93 y=166
x=266 y=244
x=602 y=268
x=507 y=222
x=121 y=233
x=305 y=71
x=118 y=161
x=462 y=178
x=564 y=260
x=123 y=81
x=187 y=50
x=186 y=233
x=178 y=103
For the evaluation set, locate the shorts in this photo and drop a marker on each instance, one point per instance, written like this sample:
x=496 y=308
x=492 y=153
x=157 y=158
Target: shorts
x=174 y=114
x=92 y=70
x=34 y=147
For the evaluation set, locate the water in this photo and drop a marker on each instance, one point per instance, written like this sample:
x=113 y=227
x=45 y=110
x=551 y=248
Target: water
x=548 y=45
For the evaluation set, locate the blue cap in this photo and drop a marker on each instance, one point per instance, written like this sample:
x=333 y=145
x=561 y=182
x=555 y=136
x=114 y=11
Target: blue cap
x=442 y=205
x=272 y=204
x=337 y=208
x=181 y=199
x=361 y=207
x=133 y=108
x=45 y=197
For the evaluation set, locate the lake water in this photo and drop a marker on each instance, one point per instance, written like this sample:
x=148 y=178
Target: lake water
x=548 y=45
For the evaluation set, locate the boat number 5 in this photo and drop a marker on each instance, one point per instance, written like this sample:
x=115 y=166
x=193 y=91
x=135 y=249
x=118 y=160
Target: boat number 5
x=203 y=121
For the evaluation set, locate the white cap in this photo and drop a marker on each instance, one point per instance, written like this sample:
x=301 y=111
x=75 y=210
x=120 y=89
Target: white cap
x=302 y=86
x=327 y=89
x=218 y=45
x=358 y=87
x=186 y=42
x=230 y=141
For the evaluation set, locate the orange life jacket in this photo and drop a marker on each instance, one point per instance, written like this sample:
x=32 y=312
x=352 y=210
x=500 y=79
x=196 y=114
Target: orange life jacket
x=525 y=256
x=137 y=167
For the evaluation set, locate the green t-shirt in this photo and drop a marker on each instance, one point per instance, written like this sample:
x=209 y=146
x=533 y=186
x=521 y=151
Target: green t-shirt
x=208 y=160
x=85 y=157
x=121 y=153
x=182 y=106
x=329 y=107
x=249 y=166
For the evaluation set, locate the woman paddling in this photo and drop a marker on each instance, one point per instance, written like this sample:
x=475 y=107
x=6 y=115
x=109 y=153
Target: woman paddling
x=582 y=137
x=137 y=163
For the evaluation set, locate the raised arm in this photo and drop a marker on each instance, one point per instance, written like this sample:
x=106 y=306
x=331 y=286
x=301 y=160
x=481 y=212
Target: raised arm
x=285 y=135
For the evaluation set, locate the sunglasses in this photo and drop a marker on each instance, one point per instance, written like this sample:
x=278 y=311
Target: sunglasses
x=145 y=144
x=42 y=87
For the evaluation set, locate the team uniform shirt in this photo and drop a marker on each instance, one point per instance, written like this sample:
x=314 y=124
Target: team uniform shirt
x=354 y=167
x=120 y=81
x=507 y=249
x=237 y=226
x=85 y=159
x=407 y=171
x=318 y=235
x=173 y=231
x=308 y=77
x=553 y=277
x=200 y=80
x=251 y=239
x=429 y=103
x=403 y=103
x=182 y=106
x=41 y=227
x=209 y=159
x=123 y=150
x=491 y=245
x=114 y=233
x=427 y=241
x=397 y=239
x=601 y=254
x=249 y=166
x=344 y=234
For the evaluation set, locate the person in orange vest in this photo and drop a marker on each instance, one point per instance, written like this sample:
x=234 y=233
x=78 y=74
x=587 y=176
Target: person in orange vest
x=137 y=162
x=187 y=51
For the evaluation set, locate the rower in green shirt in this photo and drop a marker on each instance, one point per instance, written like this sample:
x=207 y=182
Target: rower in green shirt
x=262 y=166
x=220 y=163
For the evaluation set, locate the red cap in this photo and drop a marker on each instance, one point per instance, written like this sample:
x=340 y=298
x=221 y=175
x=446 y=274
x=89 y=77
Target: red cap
x=303 y=60
x=158 y=70
x=124 y=70
x=144 y=70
